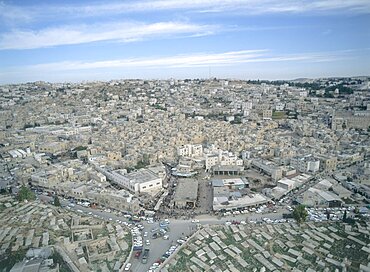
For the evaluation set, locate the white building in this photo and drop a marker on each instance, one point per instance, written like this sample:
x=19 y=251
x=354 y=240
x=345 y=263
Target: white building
x=307 y=164
x=141 y=181
x=286 y=184
x=190 y=150
x=144 y=181
x=280 y=106
x=269 y=168
x=222 y=158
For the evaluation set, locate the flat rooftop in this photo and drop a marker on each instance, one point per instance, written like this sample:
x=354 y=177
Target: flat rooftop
x=141 y=176
x=245 y=201
x=187 y=189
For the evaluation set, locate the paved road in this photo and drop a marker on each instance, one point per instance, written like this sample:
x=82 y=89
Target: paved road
x=178 y=228
x=207 y=219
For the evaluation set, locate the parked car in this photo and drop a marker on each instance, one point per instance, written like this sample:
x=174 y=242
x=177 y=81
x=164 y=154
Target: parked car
x=127 y=267
x=137 y=254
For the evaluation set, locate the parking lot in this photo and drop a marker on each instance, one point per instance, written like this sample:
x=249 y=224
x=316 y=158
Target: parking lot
x=205 y=197
x=177 y=230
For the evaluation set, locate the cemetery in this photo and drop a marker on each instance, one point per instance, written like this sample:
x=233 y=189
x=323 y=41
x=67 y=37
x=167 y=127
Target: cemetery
x=86 y=244
x=276 y=247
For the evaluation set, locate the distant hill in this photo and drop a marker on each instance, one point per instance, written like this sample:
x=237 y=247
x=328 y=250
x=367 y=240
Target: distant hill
x=305 y=79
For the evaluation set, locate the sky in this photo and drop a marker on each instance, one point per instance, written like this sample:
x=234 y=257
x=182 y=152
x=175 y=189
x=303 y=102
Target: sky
x=63 y=41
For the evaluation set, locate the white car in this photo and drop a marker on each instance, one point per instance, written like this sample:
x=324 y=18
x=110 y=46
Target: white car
x=227 y=223
x=147 y=242
x=195 y=221
x=128 y=266
x=145 y=234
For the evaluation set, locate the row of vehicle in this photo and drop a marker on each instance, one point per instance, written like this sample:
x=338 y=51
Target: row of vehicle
x=350 y=208
x=133 y=218
x=137 y=239
x=155 y=266
x=235 y=222
x=259 y=209
x=267 y=220
x=158 y=232
x=84 y=203
x=285 y=199
x=324 y=214
x=236 y=212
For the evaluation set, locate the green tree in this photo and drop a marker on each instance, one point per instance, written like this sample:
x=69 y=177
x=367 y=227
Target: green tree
x=56 y=201
x=144 y=162
x=25 y=194
x=8 y=260
x=80 y=148
x=300 y=214
x=345 y=216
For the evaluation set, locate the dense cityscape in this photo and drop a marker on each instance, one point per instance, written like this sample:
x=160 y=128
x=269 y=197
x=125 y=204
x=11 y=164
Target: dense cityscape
x=185 y=175
x=184 y=136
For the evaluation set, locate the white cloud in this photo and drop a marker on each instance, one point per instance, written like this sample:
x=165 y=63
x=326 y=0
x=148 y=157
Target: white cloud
x=249 y=6
x=123 y=32
x=246 y=6
x=11 y=13
x=183 y=61
x=191 y=65
x=191 y=60
x=41 y=12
